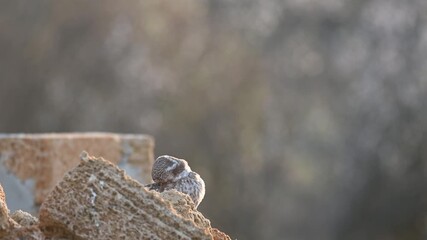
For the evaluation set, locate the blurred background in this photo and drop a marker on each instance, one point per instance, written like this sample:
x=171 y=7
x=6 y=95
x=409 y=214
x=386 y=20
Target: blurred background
x=307 y=119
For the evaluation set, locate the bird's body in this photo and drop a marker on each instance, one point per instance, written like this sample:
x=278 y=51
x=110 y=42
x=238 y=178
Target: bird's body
x=173 y=173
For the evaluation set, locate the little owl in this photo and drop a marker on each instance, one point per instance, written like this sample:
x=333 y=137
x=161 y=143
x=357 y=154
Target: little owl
x=173 y=173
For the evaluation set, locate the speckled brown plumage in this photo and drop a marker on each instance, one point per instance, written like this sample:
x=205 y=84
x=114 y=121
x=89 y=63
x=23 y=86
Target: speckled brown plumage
x=174 y=173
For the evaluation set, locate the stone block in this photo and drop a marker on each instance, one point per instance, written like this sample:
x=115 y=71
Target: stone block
x=4 y=213
x=97 y=200
x=7 y=224
x=36 y=162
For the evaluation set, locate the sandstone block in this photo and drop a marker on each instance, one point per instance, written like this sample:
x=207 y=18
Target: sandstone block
x=97 y=200
x=4 y=213
x=24 y=219
x=7 y=224
x=27 y=233
x=218 y=235
x=19 y=225
x=184 y=207
x=45 y=158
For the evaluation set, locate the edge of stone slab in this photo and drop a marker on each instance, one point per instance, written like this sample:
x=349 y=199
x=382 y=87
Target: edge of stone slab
x=52 y=224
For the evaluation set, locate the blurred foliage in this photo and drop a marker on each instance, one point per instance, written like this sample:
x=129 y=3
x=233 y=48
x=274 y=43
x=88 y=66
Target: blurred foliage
x=306 y=118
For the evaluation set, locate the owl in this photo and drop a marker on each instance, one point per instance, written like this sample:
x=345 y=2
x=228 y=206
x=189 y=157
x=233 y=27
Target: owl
x=173 y=173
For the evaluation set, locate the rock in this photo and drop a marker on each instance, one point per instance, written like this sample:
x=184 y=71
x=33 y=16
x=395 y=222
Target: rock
x=7 y=224
x=24 y=219
x=218 y=235
x=97 y=200
x=2 y=195
x=27 y=233
x=184 y=206
x=45 y=158
x=19 y=225
x=4 y=214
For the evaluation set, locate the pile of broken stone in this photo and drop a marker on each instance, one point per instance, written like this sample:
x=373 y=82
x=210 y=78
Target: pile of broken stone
x=98 y=200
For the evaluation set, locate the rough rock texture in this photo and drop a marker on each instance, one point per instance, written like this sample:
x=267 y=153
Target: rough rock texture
x=26 y=233
x=2 y=195
x=184 y=206
x=4 y=214
x=218 y=235
x=45 y=158
x=7 y=224
x=10 y=229
x=97 y=200
x=24 y=219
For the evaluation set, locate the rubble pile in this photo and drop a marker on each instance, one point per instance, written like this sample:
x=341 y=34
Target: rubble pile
x=98 y=200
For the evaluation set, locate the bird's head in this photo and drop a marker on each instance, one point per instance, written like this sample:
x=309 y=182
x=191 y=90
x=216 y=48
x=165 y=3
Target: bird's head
x=167 y=168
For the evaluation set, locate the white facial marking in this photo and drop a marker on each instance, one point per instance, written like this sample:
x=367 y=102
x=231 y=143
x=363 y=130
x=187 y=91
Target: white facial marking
x=175 y=163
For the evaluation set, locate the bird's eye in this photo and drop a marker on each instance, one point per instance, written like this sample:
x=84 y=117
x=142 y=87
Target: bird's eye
x=179 y=168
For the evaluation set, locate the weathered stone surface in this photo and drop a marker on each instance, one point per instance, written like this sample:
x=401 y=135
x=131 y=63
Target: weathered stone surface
x=2 y=196
x=218 y=235
x=184 y=206
x=97 y=200
x=24 y=219
x=19 y=225
x=7 y=224
x=4 y=214
x=27 y=233
x=45 y=158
